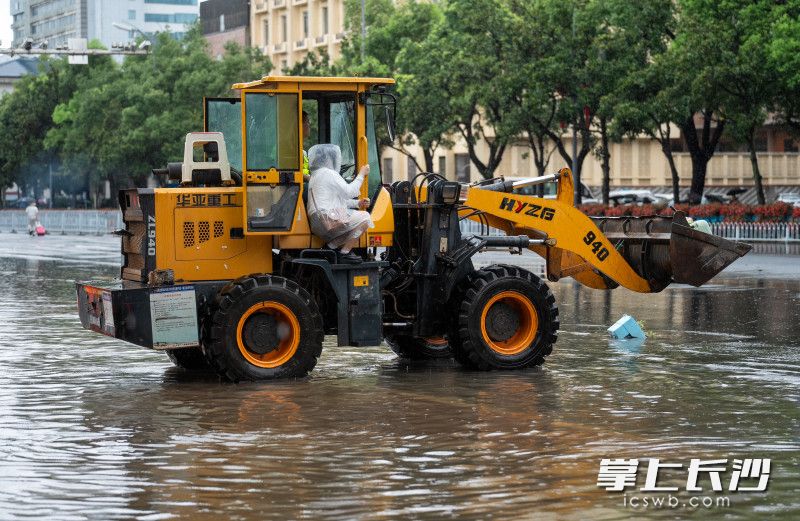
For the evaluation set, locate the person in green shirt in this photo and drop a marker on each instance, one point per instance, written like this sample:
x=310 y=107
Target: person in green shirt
x=306 y=133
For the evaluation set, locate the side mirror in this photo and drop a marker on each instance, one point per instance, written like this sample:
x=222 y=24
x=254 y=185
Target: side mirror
x=390 y=123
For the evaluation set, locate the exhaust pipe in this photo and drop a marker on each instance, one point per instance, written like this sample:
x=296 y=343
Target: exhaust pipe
x=666 y=249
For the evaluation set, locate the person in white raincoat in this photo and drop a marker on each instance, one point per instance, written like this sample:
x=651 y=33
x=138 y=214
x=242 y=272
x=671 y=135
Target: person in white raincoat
x=335 y=215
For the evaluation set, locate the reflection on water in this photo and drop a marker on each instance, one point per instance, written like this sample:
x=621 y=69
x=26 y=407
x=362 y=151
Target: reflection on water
x=93 y=428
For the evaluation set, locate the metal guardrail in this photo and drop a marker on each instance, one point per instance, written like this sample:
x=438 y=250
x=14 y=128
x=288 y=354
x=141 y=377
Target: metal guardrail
x=99 y=222
x=65 y=222
x=746 y=232
x=758 y=232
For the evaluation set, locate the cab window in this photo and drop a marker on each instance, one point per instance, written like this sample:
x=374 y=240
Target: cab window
x=272 y=139
x=225 y=115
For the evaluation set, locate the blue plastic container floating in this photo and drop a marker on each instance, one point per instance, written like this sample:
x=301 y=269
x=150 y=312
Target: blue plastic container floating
x=626 y=327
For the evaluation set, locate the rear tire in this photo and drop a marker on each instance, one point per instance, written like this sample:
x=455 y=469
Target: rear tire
x=189 y=358
x=413 y=348
x=262 y=328
x=507 y=319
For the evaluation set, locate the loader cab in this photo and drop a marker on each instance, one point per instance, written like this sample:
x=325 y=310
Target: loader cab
x=264 y=136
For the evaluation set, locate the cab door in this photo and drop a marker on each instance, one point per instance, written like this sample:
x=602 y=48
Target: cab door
x=272 y=160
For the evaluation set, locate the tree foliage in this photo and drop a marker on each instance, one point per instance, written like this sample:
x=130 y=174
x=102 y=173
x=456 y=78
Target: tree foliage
x=116 y=122
x=487 y=73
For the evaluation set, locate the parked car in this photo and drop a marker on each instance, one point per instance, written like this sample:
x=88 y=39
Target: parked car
x=637 y=197
x=793 y=199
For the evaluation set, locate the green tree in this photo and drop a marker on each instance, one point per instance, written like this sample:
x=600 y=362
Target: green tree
x=784 y=59
x=745 y=73
x=466 y=66
x=693 y=55
x=25 y=118
x=648 y=101
x=126 y=120
x=392 y=49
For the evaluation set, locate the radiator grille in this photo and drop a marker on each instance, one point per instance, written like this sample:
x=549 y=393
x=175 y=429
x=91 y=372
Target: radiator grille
x=188 y=234
x=203 y=232
x=218 y=229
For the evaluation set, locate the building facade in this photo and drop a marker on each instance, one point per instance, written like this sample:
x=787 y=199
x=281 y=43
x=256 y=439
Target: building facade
x=55 y=21
x=225 y=21
x=287 y=30
x=635 y=162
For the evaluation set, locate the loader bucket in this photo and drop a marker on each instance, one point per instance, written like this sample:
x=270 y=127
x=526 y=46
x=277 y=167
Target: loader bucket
x=666 y=249
x=697 y=257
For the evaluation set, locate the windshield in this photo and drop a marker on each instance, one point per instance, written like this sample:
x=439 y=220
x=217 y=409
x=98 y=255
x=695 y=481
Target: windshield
x=342 y=125
x=225 y=115
x=375 y=120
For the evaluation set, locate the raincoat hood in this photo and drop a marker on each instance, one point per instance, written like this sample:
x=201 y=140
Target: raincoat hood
x=325 y=156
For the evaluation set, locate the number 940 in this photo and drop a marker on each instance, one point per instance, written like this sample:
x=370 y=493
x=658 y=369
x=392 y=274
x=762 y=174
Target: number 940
x=598 y=249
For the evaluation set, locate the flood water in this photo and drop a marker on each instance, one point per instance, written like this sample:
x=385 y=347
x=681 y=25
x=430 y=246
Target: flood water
x=92 y=428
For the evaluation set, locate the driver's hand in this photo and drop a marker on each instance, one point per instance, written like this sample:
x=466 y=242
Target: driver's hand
x=363 y=204
x=364 y=172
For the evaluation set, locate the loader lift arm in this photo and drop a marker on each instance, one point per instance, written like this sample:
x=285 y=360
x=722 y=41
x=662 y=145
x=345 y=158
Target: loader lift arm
x=641 y=254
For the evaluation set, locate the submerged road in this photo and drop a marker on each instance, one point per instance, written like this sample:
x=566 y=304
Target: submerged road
x=93 y=428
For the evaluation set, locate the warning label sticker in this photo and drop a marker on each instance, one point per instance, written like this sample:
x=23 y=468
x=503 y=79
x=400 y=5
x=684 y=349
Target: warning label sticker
x=173 y=313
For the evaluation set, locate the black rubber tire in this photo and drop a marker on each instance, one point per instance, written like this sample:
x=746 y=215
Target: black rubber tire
x=413 y=348
x=466 y=340
x=189 y=358
x=222 y=351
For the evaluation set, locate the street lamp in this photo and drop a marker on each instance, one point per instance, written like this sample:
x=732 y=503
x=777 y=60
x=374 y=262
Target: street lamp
x=144 y=45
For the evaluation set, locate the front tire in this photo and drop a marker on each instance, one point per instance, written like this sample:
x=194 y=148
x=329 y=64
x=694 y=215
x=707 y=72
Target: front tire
x=263 y=328
x=507 y=319
x=413 y=348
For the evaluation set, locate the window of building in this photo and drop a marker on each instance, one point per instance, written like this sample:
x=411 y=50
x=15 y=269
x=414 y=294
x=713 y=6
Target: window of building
x=305 y=24
x=789 y=145
x=462 y=168
x=177 y=18
x=284 y=65
x=266 y=32
x=131 y=14
x=442 y=166
x=411 y=165
x=172 y=2
x=388 y=170
x=284 y=28
x=221 y=22
x=324 y=19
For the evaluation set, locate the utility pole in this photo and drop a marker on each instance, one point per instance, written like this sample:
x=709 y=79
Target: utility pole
x=576 y=175
x=363 y=28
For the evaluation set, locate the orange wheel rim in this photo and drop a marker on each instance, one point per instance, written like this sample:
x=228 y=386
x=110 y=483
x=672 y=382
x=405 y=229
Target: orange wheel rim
x=287 y=324
x=526 y=327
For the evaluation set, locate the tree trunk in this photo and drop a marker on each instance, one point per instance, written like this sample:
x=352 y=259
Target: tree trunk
x=586 y=147
x=605 y=157
x=428 y=159
x=699 y=169
x=756 y=171
x=666 y=148
x=701 y=151
x=536 y=142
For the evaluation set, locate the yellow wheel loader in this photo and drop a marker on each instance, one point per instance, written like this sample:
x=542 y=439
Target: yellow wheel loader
x=221 y=268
